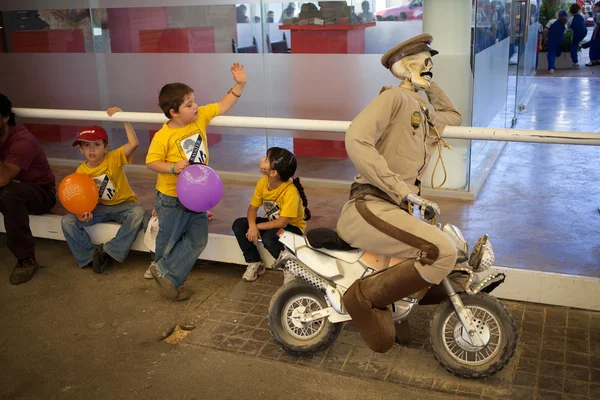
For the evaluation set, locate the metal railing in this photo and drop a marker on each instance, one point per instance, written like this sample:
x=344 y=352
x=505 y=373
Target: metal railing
x=451 y=132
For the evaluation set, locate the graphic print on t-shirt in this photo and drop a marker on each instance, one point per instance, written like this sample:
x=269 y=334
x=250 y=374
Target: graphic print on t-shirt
x=271 y=210
x=194 y=148
x=106 y=188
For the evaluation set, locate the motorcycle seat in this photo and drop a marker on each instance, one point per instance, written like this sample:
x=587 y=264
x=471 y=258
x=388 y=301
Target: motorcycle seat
x=324 y=238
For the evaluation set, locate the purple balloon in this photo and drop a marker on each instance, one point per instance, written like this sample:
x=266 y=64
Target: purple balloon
x=199 y=188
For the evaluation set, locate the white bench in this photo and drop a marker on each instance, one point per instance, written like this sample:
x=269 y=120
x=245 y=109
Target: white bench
x=221 y=248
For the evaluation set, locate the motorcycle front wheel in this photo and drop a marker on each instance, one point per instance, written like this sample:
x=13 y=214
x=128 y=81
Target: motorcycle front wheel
x=293 y=336
x=455 y=351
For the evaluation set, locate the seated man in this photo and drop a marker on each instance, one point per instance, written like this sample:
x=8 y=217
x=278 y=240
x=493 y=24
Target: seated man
x=27 y=186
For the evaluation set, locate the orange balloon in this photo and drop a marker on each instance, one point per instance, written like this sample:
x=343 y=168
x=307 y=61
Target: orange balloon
x=78 y=193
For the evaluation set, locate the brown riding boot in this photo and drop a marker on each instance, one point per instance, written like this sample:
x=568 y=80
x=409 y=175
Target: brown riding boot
x=367 y=300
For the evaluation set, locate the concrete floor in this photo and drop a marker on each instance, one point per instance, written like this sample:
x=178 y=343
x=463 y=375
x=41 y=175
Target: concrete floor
x=73 y=334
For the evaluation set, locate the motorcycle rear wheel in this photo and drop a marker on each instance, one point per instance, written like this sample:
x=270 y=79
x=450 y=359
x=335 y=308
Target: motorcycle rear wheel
x=451 y=346
x=292 y=336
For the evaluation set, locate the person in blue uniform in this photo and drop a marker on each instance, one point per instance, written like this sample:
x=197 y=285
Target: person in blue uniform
x=579 y=32
x=554 y=35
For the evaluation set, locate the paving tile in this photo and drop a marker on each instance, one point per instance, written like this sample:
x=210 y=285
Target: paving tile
x=422 y=381
x=524 y=379
x=223 y=328
x=579 y=346
x=529 y=351
x=251 y=347
x=556 y=317
x=334 y=362
x=595 y=390
x=377 y=371
x=442 y=385
x=551 y=383
x=578 y=388
x=270 y=351
x=553 y=355
x=261 y=335
x=573 y=372
x=354 y=368
x=242 y=332
x=528 y=365
x=313 y=361
x=555 y=331
x=546 y=395
x=232 y=344
x=578 y=334
x=580 y=359
x=251 y=320
x=579 y=319
x=552 y=369
x=557 y=343
x=502 y=391
x=288 y=358
x=399 y=374
x=532 y=327
x=521 y=393
x=534 y=316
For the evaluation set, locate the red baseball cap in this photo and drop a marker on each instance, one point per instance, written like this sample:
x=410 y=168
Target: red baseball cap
x=91 y=134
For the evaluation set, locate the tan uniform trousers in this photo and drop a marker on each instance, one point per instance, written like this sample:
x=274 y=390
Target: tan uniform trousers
x=353 y=229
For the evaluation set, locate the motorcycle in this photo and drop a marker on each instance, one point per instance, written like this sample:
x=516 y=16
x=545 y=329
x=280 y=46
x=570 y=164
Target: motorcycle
x=472 y=334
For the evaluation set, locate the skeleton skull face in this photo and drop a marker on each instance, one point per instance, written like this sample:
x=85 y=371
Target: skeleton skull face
x=416 y=69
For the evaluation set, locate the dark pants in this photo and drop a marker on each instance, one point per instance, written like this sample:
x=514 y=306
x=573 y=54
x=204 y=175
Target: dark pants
x=269 y=239
x=17 y=202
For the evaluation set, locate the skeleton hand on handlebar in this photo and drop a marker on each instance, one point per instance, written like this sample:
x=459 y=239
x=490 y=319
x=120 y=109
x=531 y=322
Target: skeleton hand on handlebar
x=429 y=209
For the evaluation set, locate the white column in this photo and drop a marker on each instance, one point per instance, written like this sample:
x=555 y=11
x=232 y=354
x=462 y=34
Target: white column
x=449 y=22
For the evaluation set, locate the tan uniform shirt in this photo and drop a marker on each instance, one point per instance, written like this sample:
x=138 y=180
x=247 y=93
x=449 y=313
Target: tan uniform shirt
x=390 y=141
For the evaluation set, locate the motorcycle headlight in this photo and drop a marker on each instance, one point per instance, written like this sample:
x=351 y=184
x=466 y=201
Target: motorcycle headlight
x=462 y=249
x=482 y=256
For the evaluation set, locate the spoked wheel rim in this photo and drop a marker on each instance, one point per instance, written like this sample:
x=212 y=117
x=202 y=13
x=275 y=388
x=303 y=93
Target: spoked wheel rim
x=459 y=344
x=290 y=317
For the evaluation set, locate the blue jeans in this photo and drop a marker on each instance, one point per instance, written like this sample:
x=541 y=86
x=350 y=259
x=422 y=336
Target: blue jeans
x=182 y=236
x=131 y=217
x=269 y=239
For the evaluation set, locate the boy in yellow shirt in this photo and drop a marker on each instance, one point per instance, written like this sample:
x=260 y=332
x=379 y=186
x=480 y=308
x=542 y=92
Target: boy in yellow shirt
x=182 y=234
x=116 y=201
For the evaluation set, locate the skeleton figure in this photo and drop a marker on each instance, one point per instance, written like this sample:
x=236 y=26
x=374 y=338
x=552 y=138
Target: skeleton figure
x=390 y=143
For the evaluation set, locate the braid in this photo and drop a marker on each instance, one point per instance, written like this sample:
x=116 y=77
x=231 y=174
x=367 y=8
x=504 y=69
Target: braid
x=296 y=182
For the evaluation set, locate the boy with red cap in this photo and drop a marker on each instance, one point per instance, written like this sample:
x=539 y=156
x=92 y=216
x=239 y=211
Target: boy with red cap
x=116 y=201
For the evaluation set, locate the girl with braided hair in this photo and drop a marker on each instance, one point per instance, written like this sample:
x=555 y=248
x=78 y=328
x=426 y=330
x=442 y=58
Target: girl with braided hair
x=285 y=206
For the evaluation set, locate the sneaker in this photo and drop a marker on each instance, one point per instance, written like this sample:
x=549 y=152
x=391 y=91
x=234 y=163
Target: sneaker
x=23 y=271
x=184 y=294
x=576 y=65
x=592 y=63
x=288 y=277
x=166 y=287
x=148 y=273
x=550 y=71
x=100 y=260
x=253 y=271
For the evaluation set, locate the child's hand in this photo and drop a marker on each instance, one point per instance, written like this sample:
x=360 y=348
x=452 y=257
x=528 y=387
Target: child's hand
x=85 y=217
x=253 y=234
x=239 y=75
x=153 y=213
x=180 y=166
x=111 y=111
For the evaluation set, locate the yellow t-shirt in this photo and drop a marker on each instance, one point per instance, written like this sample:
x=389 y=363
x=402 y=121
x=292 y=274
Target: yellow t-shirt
x=284 y=201
x=113 y=187
x=187 y=143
